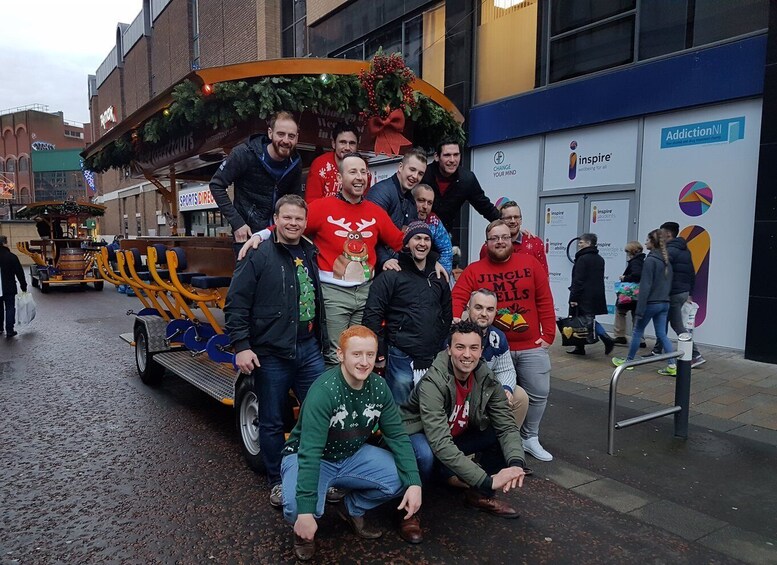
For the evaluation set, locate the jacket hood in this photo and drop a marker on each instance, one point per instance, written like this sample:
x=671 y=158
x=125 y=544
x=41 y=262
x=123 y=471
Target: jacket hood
x=656 y=254
x=678 y=243
x=640 y=258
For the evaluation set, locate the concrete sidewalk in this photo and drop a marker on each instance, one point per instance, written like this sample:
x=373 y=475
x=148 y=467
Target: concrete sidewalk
x=740 y=394
x=717 y=489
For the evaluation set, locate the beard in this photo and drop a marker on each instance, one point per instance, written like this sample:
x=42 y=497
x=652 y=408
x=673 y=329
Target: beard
x=500 y=255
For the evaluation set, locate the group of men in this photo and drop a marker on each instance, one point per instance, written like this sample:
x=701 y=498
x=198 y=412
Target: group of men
x=350 y=266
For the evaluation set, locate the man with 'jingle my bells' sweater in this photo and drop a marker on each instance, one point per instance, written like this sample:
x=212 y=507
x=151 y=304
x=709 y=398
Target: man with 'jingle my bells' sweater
x=328 y=448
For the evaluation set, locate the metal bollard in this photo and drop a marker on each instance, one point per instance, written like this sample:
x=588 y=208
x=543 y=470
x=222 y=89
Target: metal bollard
x=682 y=391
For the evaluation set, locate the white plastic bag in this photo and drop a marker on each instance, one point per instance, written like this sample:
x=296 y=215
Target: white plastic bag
x=689 y=310
x=25 y=308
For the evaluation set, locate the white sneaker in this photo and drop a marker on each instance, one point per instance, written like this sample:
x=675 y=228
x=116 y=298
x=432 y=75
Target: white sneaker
x=532 y=447
x=698 y=361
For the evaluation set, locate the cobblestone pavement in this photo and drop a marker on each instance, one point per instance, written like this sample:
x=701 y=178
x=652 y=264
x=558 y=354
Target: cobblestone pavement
x=96 y=468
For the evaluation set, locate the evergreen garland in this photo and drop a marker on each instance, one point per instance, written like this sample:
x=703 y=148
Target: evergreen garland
x=232 y=102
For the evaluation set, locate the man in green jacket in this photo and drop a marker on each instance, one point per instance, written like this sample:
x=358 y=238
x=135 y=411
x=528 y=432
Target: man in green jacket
x=459 y=408
x=328 y=448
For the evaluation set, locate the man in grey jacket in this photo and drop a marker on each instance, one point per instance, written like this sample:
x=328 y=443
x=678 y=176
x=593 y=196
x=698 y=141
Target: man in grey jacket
x=459 y=408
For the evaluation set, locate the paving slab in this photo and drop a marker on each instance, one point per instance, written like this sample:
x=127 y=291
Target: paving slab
x=615 y=495
x=678 y=519
x=743 y=545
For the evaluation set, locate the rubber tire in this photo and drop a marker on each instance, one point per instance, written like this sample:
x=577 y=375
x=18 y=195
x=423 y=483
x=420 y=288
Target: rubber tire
x=44 y=287
x=149 y=371
x=246 y=412
x=98 y=285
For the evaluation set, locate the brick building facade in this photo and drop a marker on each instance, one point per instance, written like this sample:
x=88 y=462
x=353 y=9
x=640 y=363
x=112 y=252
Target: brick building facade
x=22 y=132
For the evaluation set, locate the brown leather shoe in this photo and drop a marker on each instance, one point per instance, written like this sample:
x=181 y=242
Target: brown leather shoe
x=410 y=529
x=304 y=550
x=490 y=505
x=358 y=524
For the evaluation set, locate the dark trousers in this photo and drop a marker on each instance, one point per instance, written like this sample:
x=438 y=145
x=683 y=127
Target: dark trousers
x=484 y=443
x=272 y=381
x=8 y=304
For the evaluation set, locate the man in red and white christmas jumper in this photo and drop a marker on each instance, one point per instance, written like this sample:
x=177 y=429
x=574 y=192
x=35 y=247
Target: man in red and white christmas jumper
x=523 y=240
x=524 y=313
x=322 y=178
x=346 y=229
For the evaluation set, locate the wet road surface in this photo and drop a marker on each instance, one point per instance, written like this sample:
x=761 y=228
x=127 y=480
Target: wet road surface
x=97 y=468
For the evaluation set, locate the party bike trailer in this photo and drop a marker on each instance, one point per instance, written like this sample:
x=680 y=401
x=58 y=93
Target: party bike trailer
x=184 y=134
x=64 y=255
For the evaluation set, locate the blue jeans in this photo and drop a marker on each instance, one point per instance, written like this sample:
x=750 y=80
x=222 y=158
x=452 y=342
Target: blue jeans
x=399 y=374
x=656 y=311
x=370 y=475
x=272 y=381
x=599 y=329
x=8 y=303
x=471 y=441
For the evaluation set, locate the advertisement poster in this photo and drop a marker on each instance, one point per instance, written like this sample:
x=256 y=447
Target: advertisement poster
x=506 y=170
x=596 y=156
x=609 y=220
x=559 y=228
x=700 y=170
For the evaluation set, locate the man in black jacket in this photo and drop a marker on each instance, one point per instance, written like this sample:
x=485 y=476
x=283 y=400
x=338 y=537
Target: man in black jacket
x=586 y=293
x=454 y=186
x=10 y=268
x=263 y=169
x=275 y=320
x=683 y=281
x=416 y=306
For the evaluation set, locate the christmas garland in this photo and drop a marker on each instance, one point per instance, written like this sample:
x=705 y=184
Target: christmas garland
x=377 y=92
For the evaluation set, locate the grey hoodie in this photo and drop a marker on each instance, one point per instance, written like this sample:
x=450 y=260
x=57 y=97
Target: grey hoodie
x=656 y=281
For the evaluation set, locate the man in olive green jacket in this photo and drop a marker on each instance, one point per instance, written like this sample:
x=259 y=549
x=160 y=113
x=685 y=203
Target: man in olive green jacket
x=459 y=408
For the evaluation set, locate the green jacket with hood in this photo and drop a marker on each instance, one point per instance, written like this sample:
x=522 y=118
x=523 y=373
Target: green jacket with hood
x=432 y=401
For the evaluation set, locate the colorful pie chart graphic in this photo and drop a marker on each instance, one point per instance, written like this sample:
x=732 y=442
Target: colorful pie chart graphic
x=695 y=198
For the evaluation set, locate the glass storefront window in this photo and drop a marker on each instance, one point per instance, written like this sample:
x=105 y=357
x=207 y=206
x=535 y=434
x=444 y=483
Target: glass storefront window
x=567 y=15
x=663 y=27
x=592 y=50
x=506 y=51
x=714 y=20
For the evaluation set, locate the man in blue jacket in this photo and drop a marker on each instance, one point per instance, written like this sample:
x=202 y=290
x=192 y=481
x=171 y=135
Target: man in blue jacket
x=275 y=320
x=263 y=169
x=683 y=281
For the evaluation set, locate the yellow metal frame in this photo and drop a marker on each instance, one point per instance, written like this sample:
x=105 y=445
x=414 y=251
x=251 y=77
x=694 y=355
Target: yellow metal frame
x=201 y=298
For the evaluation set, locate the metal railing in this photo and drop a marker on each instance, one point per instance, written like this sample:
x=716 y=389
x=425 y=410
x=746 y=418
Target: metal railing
x=682 y=395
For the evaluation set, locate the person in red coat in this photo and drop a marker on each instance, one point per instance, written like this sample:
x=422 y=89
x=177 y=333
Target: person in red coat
x=523 y=241
x=322 y=178
x=524 y=313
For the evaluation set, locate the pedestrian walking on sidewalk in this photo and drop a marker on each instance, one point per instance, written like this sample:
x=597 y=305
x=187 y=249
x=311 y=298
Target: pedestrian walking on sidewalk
x=632 y=274
x=586 y=293
x=10 y=268
x=653 y=302
x=683 y=281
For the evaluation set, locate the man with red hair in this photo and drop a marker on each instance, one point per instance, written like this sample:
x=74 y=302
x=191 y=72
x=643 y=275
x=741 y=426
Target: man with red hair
x=328 y=447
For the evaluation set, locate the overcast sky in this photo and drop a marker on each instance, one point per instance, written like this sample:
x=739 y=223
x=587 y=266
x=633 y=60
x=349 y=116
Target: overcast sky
x=48 y=47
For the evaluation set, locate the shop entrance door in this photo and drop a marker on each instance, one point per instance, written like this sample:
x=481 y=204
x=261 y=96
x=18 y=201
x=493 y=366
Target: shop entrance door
x=612 y=216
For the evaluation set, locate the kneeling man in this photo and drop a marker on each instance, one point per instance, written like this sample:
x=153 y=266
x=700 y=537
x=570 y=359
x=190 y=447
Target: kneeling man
x=328 y=448
x=459 y=408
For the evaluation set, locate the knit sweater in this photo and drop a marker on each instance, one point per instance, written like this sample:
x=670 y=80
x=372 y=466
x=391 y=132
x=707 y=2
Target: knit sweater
x=346 y=235
x=322 y=178
x=524 y=302
x=334 y=423
x=530 y=244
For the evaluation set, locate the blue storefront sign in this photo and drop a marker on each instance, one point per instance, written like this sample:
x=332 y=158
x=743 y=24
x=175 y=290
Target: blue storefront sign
x=719 y=131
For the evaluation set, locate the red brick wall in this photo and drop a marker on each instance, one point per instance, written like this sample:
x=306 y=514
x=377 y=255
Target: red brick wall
x=170 y=46
x=137 y=76
x=109 y=93
x=227 y=32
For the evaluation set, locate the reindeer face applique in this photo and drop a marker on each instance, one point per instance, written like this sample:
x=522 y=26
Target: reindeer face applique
x=352 y=265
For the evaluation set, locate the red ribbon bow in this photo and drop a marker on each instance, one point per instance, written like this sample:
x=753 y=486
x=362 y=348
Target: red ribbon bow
x=388 y=132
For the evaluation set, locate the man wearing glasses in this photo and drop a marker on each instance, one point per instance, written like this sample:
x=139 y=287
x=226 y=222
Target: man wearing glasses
x=523 y=240
x=524 y=313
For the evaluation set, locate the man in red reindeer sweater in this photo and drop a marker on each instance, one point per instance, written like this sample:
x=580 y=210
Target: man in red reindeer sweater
x=524 y=313
x=346 y=229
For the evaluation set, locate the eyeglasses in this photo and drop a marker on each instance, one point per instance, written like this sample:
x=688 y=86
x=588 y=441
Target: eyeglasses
x=495 y=238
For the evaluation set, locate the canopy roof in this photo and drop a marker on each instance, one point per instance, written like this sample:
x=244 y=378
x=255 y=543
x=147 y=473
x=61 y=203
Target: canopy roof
x=52 y=209
x=156 y=142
